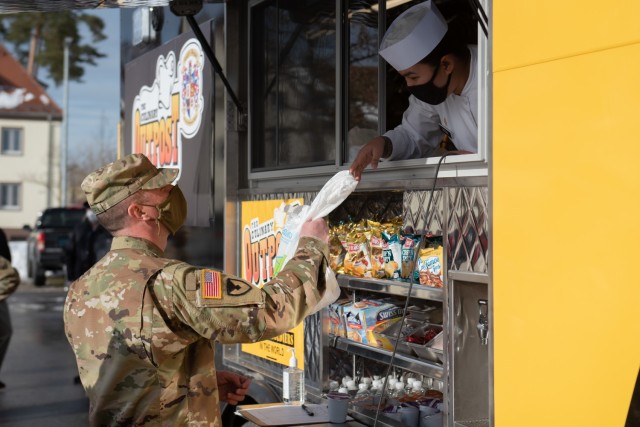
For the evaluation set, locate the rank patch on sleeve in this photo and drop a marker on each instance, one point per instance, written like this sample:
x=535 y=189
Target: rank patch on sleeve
x=211 y=284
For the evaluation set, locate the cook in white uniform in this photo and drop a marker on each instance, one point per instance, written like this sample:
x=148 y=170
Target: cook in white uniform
x=440 y=71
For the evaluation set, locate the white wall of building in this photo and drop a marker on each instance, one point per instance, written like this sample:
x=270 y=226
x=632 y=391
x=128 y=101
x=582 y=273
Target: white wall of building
x=19 y=257
x=37 y=168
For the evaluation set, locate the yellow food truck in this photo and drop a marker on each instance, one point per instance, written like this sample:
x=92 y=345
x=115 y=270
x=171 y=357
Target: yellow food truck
x=525 y=223
x=260 y=102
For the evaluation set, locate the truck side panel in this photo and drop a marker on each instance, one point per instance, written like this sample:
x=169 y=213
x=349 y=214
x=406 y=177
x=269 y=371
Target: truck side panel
x=565 y=230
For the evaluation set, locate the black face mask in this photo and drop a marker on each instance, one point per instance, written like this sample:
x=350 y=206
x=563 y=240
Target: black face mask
x=430 y=93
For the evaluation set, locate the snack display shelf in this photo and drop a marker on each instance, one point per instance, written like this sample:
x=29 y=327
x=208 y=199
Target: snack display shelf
x=400 y=360
x=390 y=287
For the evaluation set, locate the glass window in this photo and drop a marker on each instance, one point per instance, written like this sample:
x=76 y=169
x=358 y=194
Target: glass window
x=11 y=141
x=295 y=47
x=9 y=196
x=293 y=87
x=362 y=84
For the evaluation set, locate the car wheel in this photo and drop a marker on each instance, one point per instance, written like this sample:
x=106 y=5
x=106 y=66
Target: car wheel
x=38 y=276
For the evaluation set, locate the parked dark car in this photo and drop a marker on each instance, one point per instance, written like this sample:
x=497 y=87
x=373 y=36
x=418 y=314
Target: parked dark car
x=47 y=241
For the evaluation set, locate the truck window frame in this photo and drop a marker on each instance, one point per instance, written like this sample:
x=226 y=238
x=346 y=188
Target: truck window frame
x=388 y=172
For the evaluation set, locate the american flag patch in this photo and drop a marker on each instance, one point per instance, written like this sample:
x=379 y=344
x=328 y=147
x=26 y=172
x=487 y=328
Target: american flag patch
x=211 y=284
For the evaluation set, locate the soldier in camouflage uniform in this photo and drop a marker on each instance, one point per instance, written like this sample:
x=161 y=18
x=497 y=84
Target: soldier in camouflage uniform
x=9 y=279
x=143 y=327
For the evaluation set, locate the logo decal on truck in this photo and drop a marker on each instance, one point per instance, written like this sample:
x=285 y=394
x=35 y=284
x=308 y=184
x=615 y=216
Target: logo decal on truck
x=171 y=108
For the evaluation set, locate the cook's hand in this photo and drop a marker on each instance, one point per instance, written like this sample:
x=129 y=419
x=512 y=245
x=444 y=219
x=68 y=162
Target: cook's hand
x=232 y=388
x=368 y=155
x=317 y=228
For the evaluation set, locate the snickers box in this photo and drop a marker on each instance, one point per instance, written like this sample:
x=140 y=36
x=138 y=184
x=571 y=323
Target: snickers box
x=366 y=314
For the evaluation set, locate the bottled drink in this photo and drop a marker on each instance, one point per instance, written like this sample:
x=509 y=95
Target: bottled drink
x=408 y=387
x=417 y=391
x=363 y=391
x=398 y=394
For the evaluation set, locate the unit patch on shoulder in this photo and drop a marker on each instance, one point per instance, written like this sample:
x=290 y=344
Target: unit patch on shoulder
x=211 y=285
x=236 y=288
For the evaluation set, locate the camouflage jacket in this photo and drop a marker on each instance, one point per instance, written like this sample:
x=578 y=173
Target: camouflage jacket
x=142 y=329
x=9 y=279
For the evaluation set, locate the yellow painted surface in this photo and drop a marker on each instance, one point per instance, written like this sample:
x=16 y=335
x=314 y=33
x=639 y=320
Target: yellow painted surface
x=566 y=233
x=531 y=32
x=261 y=230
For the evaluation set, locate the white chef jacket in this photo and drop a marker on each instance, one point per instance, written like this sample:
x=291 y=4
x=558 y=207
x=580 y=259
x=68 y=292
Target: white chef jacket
x=419 y=133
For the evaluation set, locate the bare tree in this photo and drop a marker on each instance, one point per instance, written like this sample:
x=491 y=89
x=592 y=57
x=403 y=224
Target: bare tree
x=98 y=151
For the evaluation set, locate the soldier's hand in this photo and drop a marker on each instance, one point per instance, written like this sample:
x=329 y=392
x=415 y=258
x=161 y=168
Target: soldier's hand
x=317 y=228
x=368 y=155
x=232 y=388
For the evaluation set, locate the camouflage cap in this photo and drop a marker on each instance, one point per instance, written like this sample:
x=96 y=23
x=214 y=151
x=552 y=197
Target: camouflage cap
x=111 y=184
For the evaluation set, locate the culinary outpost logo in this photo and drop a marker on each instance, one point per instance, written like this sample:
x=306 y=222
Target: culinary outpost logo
x=261 y=241
x=171 y=108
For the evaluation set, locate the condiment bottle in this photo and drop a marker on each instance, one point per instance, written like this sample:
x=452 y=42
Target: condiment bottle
x=293 y=382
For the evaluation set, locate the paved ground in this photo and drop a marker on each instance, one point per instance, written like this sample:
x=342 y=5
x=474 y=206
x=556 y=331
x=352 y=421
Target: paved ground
x=39 y=367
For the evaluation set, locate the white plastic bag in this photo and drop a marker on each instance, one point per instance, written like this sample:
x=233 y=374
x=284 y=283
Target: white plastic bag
x=334 y=192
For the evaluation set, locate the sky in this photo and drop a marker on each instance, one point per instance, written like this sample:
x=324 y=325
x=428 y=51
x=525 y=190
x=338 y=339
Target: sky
x=94 y=102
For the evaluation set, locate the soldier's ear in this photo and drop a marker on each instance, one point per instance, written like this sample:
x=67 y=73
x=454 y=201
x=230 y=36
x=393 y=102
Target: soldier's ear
x=136 y=211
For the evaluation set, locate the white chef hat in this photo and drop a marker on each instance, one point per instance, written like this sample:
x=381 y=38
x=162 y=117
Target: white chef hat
x=413 y=35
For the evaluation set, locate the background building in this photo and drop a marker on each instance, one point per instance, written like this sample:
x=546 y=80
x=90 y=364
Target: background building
x=29 y=148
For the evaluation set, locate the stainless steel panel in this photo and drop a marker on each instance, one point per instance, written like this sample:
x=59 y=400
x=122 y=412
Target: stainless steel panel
x=401 y=361
x=470 y=394
x=389 y=287
x=467 y=229
x=398 y=175
x=468 y=277
x=415 y=205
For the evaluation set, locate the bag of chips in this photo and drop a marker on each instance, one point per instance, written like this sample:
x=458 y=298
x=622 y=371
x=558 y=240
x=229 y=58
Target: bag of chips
x=429 y=267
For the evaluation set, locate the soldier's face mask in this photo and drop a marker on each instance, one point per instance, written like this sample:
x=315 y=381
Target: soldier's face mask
x=173 y=211
x=429 y=92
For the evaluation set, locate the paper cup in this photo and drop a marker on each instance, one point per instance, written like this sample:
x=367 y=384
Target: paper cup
x=409 y=415
x=431 y=420
x=338 y=406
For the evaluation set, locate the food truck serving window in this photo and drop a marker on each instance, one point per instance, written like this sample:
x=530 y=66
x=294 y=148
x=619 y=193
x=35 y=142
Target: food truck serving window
x=320 y=90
